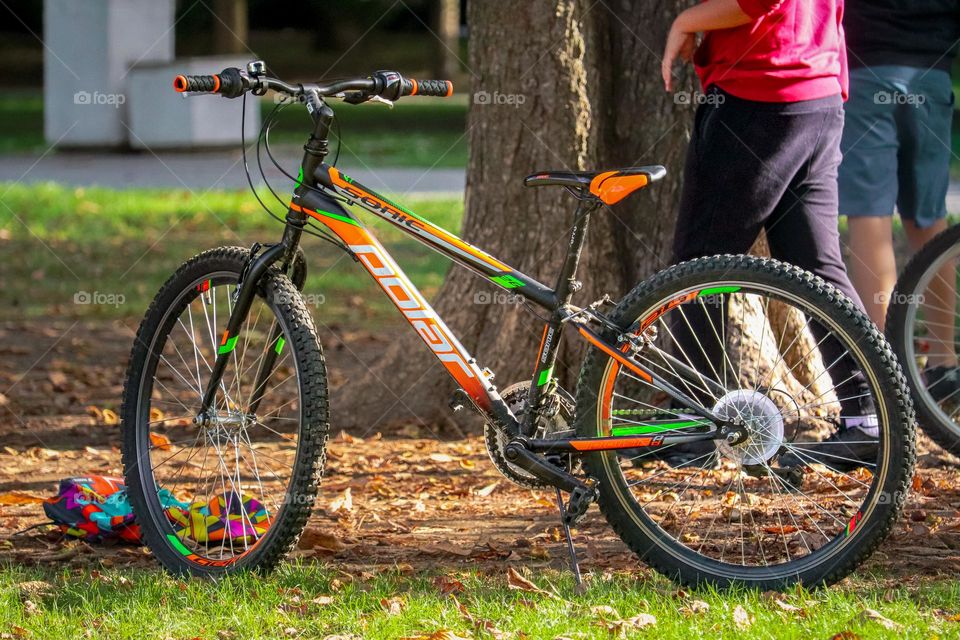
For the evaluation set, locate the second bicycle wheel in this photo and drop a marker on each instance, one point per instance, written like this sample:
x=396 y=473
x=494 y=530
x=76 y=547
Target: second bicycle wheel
x=234 y=491
x=824 y=470
x=922 y=327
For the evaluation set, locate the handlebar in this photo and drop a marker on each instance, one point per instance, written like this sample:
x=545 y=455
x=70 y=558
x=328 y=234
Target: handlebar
x=388 y=85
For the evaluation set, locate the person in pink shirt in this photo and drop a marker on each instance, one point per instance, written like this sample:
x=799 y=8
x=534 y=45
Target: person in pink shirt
x=763 y=155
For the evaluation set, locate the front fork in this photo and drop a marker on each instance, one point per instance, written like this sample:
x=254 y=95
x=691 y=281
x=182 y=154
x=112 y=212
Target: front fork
x=250 y=278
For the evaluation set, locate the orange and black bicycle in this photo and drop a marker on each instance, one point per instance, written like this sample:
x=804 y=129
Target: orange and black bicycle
x=745 y=366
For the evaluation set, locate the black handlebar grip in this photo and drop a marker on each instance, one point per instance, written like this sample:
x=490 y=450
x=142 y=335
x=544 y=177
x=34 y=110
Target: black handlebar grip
x=199 y=84
x=436 y=88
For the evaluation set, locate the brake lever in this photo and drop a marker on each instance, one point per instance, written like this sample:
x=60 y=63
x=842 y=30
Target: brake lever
x=380 y=99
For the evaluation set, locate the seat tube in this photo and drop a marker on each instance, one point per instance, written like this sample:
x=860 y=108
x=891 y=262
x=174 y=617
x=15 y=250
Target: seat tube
x=550 y=342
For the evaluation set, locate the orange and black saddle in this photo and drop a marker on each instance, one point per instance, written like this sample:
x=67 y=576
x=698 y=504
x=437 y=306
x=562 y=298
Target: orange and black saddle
x=609 y=186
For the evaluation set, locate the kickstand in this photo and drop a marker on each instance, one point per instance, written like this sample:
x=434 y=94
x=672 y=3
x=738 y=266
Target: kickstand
x=574 y=563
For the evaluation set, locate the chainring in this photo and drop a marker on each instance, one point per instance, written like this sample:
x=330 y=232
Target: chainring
x=550 y=425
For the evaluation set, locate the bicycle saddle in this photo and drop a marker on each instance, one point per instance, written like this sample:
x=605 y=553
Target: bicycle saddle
x=609 y=186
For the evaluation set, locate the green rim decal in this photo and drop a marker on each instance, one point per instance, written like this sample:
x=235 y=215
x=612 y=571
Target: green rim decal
x=280 y=343
x=337 y=216
x=175 y=541
x=714 y=290
x=640 y=429
x=545 y=377
x=229 y=346
x=507 y=281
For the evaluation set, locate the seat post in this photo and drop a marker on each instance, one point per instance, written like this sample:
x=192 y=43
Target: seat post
x=565 y=286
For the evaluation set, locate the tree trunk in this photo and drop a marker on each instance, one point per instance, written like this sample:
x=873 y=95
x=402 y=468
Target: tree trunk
x=446 y=27
x=530 y=110
x=230 y=26
x=571 y=88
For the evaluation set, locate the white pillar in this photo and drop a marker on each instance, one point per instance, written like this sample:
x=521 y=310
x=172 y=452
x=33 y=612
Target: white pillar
x=90 y=46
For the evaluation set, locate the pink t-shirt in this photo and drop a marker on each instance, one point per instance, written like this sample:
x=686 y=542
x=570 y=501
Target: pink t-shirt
x=792 y=50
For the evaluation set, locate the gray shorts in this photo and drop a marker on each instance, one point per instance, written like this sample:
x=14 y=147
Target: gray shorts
x=896 y=143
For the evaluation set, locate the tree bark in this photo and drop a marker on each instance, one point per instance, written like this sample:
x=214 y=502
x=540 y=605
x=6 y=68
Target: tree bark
x=446 y=28
x=230 y=26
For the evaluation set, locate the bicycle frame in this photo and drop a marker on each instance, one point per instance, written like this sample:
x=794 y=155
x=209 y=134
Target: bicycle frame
x=317 y=196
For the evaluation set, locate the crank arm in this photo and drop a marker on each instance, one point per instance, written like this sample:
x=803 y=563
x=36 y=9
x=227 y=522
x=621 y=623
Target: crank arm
x=518 y=453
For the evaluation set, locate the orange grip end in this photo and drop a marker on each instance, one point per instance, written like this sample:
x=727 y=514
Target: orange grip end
x=416 y=87
x=449 y=89
x=216 y=82
x=180 y=84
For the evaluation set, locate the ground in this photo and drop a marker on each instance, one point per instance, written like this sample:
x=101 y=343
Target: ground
x=400 y=514
x=427 y=514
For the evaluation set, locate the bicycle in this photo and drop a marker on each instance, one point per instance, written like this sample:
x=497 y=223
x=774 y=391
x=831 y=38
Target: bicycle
x=921 y=326
x=223 y=455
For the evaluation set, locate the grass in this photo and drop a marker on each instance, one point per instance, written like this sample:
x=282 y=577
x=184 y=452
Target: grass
x=146 y=603
x=58 y=241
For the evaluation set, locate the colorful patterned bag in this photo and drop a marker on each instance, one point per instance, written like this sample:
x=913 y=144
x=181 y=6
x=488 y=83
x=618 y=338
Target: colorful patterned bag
x=93 y=508
x=96 y=508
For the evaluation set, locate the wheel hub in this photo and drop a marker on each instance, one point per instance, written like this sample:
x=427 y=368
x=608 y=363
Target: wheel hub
x=761 y=418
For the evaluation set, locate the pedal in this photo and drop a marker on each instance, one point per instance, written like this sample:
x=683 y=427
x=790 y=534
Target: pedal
x=458 y=400
x=580 y=500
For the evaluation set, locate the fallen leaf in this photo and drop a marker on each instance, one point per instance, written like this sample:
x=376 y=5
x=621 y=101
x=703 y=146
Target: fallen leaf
x=441 y=457
x=741 y=618
x=519 y=583
x=439 y=634
x=487 y=490
x=342 y=502
x=393 y=606
x=110 y=418
x=19 y=497
x=315 y=539
x=879 y=618
x=58 y=379
x=322 y=600
x=694 y=607
x=845 y=635
x=160 y=441
x=448 y=585
x=34 y=589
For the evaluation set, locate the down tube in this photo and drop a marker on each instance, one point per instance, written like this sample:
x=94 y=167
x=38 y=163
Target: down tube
x=414 y=308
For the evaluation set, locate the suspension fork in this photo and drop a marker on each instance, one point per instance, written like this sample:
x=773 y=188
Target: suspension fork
x=249 y=281
x=274 y=348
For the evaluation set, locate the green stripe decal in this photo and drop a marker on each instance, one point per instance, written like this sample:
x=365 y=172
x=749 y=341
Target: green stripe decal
x=337 y=216
x=709 y=291
x=280 y=343
x=507 y=281
x=640 y=429
x=545 y=377
x=175 y=541
x=229 y=346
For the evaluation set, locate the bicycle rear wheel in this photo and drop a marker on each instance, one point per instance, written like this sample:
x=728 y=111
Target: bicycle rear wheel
x=788 y=505
x=234 y=493
x=922 y=328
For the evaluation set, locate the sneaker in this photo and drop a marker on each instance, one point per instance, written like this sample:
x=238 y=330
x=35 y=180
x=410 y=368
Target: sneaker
x=852 y=445
x=943 y=382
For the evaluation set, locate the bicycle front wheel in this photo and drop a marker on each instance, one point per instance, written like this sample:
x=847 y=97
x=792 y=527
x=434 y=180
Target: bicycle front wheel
x=922 y=328
x=233 y=492
x=783 y=354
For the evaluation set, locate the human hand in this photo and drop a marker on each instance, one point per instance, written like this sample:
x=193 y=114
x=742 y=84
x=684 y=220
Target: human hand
x=680 y=44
